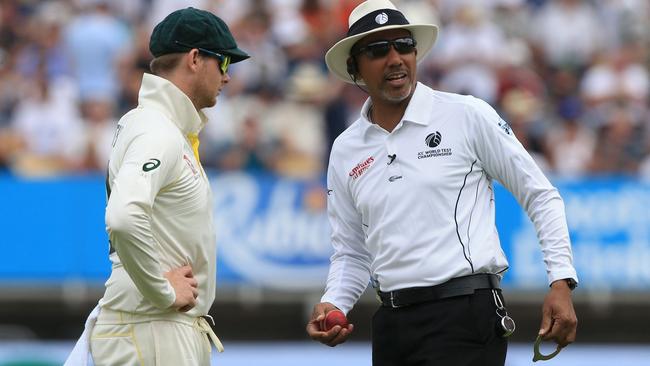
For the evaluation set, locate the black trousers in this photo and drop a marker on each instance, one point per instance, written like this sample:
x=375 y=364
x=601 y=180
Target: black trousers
x=457 y=331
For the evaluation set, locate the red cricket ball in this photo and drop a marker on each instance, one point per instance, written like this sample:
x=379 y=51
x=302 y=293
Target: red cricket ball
x=332 y=318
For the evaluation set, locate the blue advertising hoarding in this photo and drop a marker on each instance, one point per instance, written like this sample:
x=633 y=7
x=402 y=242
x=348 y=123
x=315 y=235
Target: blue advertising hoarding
x=273 y=232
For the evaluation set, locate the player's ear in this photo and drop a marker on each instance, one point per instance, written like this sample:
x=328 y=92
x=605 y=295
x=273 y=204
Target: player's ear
x=191 y=58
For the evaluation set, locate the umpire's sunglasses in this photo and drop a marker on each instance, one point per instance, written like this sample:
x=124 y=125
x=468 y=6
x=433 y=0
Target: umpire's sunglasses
x=380 y=49
x=224 y=60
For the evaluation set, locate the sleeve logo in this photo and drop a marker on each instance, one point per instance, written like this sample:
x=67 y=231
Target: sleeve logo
x=150 y=165
x=505 y=127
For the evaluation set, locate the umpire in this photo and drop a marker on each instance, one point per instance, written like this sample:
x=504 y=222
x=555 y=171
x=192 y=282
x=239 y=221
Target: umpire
x=411 y=207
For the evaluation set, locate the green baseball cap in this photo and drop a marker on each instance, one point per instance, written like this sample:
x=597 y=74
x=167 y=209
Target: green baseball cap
x=190 y=28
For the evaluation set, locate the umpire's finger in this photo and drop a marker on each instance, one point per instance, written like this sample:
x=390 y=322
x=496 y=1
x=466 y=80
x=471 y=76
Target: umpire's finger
x=562 y=332
x=547 y=324
x=325 y=337
x=342 y=336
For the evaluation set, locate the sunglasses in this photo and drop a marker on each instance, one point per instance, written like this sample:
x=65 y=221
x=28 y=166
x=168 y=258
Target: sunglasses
x=224 y=60
x=380 y=49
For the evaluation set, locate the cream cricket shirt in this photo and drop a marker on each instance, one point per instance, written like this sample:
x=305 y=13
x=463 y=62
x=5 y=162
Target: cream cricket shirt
x=159 y=211
x=415 y=207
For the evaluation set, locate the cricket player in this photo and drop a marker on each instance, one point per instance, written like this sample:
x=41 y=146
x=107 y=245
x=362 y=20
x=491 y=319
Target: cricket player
x=159 y=211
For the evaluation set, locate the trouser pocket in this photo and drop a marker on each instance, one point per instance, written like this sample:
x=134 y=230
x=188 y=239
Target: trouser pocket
x=115 y=345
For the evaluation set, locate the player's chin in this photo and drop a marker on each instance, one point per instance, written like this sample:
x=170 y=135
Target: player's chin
x=212 y=102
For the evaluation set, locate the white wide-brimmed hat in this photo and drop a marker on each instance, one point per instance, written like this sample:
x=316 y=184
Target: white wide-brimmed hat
x=370 y=17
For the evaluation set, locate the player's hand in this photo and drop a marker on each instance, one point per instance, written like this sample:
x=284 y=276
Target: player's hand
x=185 y=285
x=334 y=336
x=559 y=321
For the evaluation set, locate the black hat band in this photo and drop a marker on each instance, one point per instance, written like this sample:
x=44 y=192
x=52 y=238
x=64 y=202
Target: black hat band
x=377 y=19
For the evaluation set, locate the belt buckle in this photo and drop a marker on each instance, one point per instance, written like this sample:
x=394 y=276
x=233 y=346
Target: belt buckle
x=392 y=301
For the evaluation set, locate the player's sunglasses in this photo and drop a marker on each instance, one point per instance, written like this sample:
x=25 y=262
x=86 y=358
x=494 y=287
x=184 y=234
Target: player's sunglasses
x=224 y=60
x=380 y=49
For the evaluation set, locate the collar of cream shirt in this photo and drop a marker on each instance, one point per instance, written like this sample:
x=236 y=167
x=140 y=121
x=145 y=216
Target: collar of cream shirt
x=162 y=95
x=418 y=111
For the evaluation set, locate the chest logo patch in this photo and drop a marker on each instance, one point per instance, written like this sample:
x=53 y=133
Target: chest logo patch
x=433 y=140
x=361 y=168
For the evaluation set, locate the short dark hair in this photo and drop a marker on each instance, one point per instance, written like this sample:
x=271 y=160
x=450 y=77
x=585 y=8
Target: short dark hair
x=164 y=64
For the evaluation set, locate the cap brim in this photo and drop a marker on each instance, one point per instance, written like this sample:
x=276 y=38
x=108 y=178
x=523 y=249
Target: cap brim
x=236 y=55
x=336 y=58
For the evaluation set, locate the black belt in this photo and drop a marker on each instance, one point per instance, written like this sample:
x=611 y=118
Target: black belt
x=458 y=286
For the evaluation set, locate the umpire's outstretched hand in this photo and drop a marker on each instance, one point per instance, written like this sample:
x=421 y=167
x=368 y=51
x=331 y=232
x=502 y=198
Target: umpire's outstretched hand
x=559 y=321
x=334 y=336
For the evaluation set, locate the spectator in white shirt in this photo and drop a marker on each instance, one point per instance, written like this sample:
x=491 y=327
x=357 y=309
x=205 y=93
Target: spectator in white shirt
x=567 y=32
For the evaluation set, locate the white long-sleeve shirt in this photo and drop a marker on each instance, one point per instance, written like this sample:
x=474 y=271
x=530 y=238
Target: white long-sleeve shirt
x=159 y=211
x=415 y=207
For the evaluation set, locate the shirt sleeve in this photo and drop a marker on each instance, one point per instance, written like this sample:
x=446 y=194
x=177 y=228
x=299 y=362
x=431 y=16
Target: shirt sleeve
x=349 y=271
x=505 y=159
x=148 y=165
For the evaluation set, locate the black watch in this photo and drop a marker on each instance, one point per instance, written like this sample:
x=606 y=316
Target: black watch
x=571 y=282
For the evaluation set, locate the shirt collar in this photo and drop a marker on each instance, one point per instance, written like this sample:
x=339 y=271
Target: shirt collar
x=162 y=95
x=418 y=110
x=420 y=106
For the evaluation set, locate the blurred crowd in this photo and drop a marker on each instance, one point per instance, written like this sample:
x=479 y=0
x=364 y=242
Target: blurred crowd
x=570 y=76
